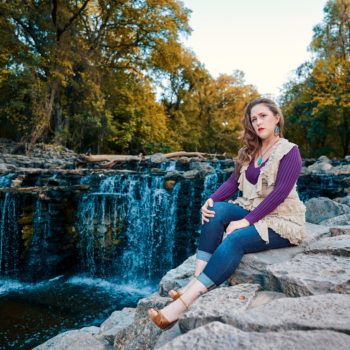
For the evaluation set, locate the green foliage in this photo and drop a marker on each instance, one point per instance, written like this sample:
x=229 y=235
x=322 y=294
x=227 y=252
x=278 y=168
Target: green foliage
x=85 y=74
x=316 y=104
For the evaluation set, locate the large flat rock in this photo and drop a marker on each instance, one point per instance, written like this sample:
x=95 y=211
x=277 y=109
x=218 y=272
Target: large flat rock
x=323 y=312
x=335 y=245
x=72 y=340
x=252 y=266
x=308 y=274
x=218 y=305
x=220 y=336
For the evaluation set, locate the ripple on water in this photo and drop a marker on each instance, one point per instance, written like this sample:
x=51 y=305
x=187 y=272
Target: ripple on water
x=31 y=313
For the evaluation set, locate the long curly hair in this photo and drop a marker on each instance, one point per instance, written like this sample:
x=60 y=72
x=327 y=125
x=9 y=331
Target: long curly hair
x=251 y=141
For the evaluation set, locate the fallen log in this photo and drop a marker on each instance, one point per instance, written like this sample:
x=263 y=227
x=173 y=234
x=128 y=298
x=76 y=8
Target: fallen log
x=114 y=159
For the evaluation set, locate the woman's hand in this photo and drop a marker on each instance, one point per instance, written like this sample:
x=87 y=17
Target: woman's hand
x=207 y=213
x=235 y=225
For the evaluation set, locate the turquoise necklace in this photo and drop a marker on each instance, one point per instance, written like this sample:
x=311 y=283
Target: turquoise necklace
x=261 y=157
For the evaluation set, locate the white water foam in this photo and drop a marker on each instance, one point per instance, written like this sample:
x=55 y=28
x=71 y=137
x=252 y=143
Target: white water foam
x=113 y=286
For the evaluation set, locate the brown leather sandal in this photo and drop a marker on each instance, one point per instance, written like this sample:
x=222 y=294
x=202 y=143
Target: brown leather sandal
x=160 y=320
x=174 y=294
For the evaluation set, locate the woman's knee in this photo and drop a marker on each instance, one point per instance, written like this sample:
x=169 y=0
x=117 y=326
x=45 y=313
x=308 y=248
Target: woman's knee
x=221 y=211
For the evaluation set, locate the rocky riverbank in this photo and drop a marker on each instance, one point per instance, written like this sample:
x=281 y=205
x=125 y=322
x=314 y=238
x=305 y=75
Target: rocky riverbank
x=295 y=298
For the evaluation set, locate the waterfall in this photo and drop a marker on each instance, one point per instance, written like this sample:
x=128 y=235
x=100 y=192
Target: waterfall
x=5 y=180
x=127 y=227
x=9 y=249
x=40 y=252
x=210 y=185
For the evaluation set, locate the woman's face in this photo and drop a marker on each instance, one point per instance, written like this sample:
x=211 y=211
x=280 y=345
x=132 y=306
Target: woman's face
x=263 y=121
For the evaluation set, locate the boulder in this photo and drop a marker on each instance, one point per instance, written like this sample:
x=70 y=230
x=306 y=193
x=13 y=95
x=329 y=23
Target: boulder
x=178 y=277
x=309 y=274
x=218 y=304
x=172 y=175
x=320 y=167
x=142 y=333
x=336 y=245
x=340 y=170
x=72 y=340
x=324 y=159
x=158 y=158
x=220 y=336
x=252 y=267
x=203 y=167
x=317 y=312
x=190 y=174
x=117 y=321
x=338 y=220
x=322 y=208
x=167 y=336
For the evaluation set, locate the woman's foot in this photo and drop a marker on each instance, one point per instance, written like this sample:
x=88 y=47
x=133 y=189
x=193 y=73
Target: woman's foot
x=166 y=317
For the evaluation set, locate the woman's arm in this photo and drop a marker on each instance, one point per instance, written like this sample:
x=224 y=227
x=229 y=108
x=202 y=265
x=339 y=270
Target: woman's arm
x=226 y=190
x=287 y=175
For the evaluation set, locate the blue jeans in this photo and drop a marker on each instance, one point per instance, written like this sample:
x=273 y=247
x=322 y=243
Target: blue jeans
x=223 y=257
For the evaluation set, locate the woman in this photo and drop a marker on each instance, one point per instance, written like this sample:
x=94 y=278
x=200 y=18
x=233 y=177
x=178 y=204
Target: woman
x=269 y=214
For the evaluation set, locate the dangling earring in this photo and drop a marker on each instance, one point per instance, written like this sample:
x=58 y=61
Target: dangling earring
x=277 y=130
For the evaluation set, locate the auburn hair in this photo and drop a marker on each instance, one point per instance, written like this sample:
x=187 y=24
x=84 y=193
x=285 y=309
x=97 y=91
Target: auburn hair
x=251 y=141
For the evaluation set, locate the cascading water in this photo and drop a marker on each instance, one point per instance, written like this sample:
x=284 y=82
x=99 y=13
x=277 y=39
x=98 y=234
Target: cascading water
x=123 y=233
x=127 y=227
x=9 y=249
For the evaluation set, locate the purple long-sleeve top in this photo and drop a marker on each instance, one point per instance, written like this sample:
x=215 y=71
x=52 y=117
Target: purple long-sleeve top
x=287 y=175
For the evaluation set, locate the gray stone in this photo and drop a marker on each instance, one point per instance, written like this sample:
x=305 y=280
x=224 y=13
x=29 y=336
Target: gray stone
x=305 y=171
x=202 y=166
x=158 y=158
x=340 y=170
x=72 y=340
x=168 y=335
x=324 y=159
x=172 y=175
x=344 y=200
x=178 y=277
x=190 y=174
x=116 y=322
x=93 y=330
x=220 y=336
x=319 y=167
x=218 y=305
x=322 y=208
x=142 y=333
x=340 y=230
x=314 y=232
x=252 y=267
x=308 y=274
x=322 y=312
x=338 y=220
x=263 y=298
x=337 y=245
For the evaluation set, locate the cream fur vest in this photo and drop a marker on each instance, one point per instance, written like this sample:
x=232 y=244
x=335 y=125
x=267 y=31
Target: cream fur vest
x=288 y=219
